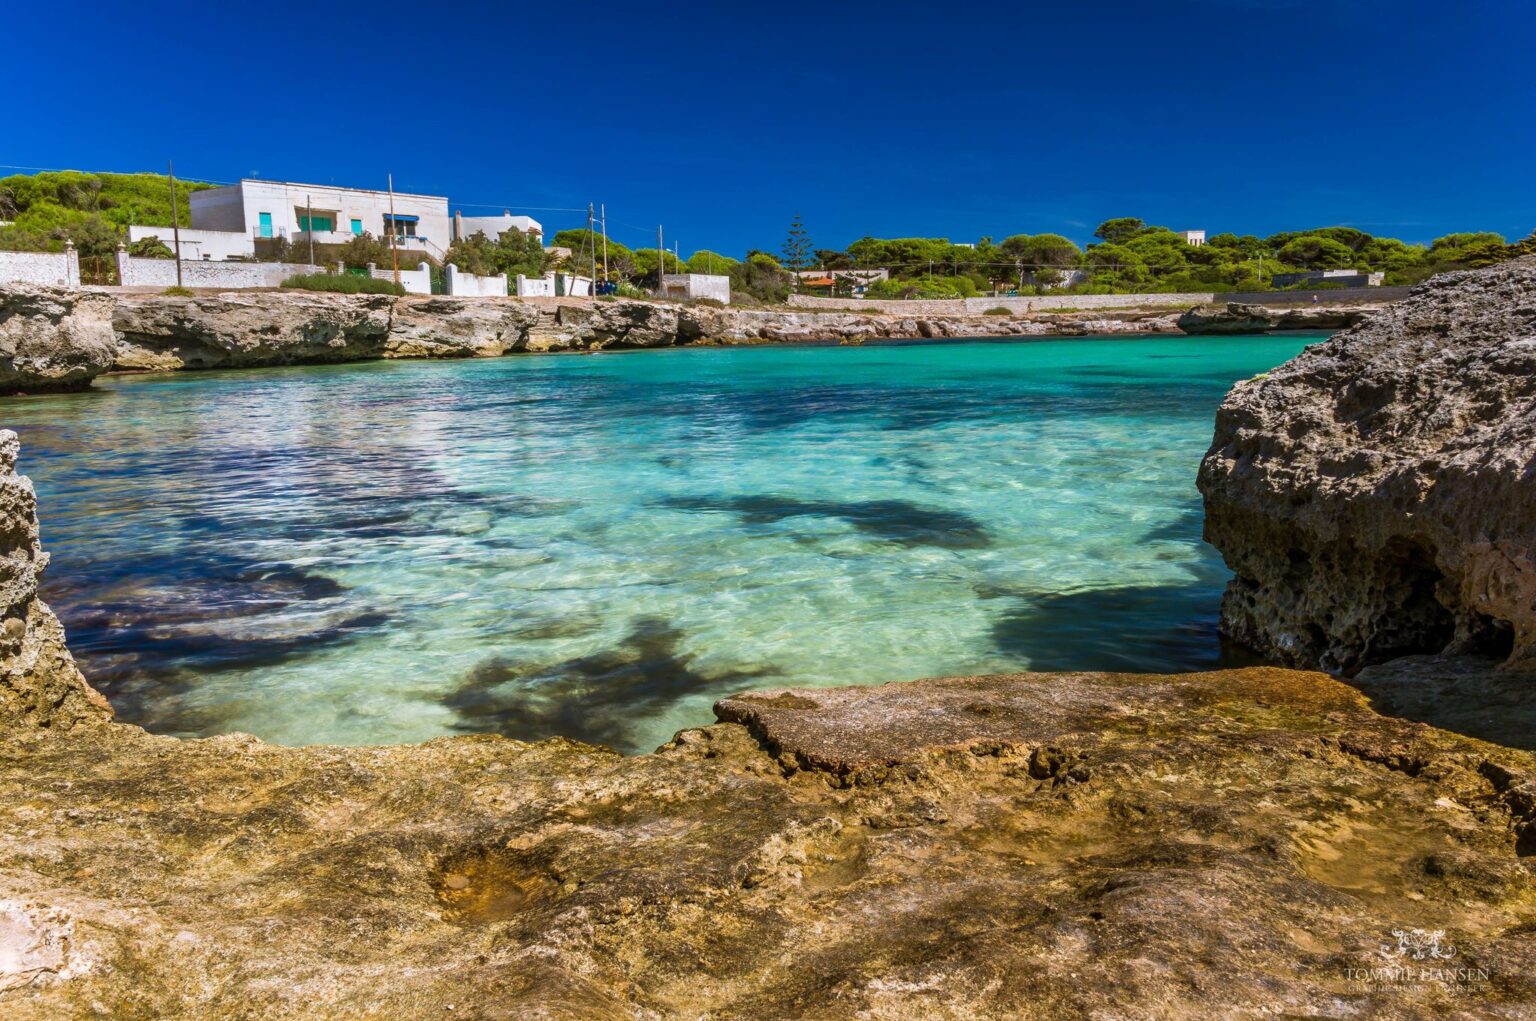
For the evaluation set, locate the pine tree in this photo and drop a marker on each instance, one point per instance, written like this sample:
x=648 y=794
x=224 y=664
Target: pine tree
x=798 y=249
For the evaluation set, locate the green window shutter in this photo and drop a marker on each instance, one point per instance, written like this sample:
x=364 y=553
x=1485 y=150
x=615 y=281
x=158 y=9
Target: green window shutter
x=357 y=226
x=265 y=224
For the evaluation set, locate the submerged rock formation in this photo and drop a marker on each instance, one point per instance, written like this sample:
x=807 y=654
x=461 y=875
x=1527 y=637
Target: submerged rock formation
x=1376 y=495
x=53 y=339
x=1239 y=843
x=1237 y=317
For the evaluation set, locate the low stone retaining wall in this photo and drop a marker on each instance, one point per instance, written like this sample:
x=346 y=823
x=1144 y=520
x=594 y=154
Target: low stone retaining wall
x=51 y=269
x=138 y=271
x=1032 y=303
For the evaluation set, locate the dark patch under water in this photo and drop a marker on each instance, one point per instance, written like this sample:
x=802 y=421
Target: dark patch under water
x=899 y=521
x=596 y=698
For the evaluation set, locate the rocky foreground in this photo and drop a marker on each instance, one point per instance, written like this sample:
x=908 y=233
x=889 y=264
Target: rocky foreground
x=1376 y=495
x=53 y=339
x=1254 y=843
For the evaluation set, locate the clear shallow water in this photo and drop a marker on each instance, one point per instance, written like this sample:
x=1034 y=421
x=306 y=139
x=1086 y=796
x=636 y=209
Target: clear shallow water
x=602 y=546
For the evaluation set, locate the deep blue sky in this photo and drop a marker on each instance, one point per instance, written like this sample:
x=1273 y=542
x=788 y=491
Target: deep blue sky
x=723 y=120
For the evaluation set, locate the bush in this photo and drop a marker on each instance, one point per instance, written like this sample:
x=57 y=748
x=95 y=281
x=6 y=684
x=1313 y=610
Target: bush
x=177 y=292
x=998 y=311
x=151 y=248
x=342 y=283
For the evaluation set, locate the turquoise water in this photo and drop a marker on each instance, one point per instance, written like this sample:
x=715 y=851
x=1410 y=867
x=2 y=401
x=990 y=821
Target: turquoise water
x=601 y=546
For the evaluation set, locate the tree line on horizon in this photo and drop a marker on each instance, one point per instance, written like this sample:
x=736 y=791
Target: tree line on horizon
x=42 y=211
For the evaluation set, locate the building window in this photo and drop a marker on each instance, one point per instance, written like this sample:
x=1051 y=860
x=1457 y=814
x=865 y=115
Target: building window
x=400 y=226
x=357 y=226
x=316 y=221
x=264 y=227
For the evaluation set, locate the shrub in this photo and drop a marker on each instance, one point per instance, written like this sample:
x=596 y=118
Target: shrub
x=998 y=311
x=343 y=283
x=177 y=292
x=151 y=248
x=708 y=302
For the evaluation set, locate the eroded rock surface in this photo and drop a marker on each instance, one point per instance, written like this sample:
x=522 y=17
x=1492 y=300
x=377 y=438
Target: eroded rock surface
x=1237 y=317
x=39 y=683
x=1376 y=495
x=53 y=339
x=1034 y=846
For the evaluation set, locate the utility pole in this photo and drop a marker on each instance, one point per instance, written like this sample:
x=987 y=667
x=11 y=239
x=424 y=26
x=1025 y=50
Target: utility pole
x=661 y=258
x=309 y=209
x=604 y=208
x=170 y=171
x=394 y=253
x=592 y=240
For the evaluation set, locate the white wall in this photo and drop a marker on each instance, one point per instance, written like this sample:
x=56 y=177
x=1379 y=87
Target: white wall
x=54 y=269
x=470 y=285
x=493 y=226
x=135 y=271
x=415 y=281
x=200 y=244
x=573 y=286
x=698 y=285
x=536 y=287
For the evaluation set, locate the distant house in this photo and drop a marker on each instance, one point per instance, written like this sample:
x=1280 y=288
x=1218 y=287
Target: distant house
x=827 y=278
x=1192 y=237
x=1334 y=277
x=494 y=227
x=265 y=211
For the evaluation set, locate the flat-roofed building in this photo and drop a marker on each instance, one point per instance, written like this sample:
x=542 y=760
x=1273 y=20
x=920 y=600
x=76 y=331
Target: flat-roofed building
x=326 y=214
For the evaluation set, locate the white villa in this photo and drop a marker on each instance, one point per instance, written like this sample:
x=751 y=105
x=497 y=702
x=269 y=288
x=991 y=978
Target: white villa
x=1192 y=237
x=264 y=210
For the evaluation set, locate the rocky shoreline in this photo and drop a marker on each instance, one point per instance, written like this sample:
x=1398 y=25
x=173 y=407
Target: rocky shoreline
x=1243 y=843
x=54 y=339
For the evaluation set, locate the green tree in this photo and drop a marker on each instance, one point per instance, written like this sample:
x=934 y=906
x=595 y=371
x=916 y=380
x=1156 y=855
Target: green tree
x=705 y=261
x=365 y=248
x=1033 y=254
x=1119 y=230
x=798 y=250
x=475 y=254
x=1311 y=251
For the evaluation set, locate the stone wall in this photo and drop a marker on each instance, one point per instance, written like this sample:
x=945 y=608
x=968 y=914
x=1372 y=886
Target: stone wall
x=1033 y=303
x=134 y=271
x=461 y=284
x=1330 y=296
x=51 y=269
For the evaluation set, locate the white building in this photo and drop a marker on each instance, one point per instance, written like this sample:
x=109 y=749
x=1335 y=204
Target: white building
x=1192 y=237
x=278 y=209
x=494 y=227
x=697 y=285
x=200 y=245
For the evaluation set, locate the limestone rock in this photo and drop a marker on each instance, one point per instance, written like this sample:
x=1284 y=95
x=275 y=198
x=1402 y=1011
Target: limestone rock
x=250 y=328
x=1234 y=844
x=53 y=339
x=458 y=327
x=1376 y=495
x=39 y=683
x=1237 y=317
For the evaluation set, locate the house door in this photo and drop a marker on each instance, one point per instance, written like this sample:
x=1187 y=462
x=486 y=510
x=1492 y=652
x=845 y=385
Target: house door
x=265 y=224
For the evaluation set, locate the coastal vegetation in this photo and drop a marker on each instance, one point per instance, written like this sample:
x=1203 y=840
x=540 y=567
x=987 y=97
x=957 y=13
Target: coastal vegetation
x=342 y=283
x=1129 y=255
